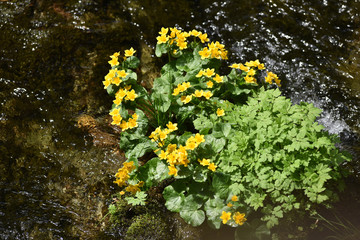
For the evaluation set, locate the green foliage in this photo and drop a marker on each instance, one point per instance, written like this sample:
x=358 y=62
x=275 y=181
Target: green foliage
x=222 y=146
x=138 y=199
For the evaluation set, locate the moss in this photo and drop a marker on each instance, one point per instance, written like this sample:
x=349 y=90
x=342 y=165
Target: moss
x=139 y=222
x=148 y=226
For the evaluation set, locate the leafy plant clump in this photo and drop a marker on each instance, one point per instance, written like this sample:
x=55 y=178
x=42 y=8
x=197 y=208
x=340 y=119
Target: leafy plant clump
x=229 y=146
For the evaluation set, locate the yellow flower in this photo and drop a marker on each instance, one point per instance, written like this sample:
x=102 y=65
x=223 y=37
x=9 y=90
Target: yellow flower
x=251 y=72
x=198 y=93
x=229 y=204
x=205 y=53
x=129 y=166
x=209 y=84
x=203 y=37
x=106 y=83
x=277 y=81
x=195 y=33
x=174 y=32
x=163 y=155
x=171 y=126
x=190 y=145
x=131 y=95
x=186 y=85
x=122 y=193
x=172 y=170
x=115 y=111
x=239 y=218
x=209 y=72
x=130 y=52
x=115 y=55
x=200 y=73
x=121 y=73
x=186 y=99
x=121 y=93
x=162 y=39
x=252 y=63
x=116 y=120
x=134 y=116
x=225 y=217
x=176 y=92
x=204 y=162
x=114 y=61
x=132 y=123
x=212 y=167
x=164 y=31
x=261 y=66
x=182 y=45
x=235 y=65
x=199 y=138
x=171 y=148
x=117 y=101
x=133 y=188
x=116 y=81
x=220 y=112
x=218 y=78
x=234 y=198
x=223 y=54
x=243 y=68
x=124 y=125
x=250 y=79
x=207 y=94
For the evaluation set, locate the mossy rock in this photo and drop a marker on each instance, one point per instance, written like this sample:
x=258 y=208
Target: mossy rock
x=148 y=226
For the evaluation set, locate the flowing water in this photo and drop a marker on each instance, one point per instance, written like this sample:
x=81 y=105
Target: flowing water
x=56 y=177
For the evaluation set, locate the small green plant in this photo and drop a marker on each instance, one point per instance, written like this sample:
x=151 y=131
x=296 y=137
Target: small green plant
x=229 y=144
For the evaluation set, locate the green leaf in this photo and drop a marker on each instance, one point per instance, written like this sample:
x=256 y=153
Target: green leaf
x=160 y=49
x=140 y=149
x=221 y=130
x=194 y=218
x=173 y=194
x=221 y=183
x=138 y=199
x=161 y=95
x=112 y=89
x=132 y=62
x=153 y=172
x=191 y=203
x=203 y=124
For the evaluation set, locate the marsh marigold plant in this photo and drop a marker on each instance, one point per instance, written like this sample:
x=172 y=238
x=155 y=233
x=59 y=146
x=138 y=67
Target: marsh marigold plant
x=230 y=143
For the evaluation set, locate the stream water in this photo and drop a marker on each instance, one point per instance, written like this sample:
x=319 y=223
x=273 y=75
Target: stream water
x=56 y=177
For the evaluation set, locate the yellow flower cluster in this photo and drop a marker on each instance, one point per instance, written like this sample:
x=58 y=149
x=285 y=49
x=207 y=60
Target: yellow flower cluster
x=209 y=73
x=179 y=37
x=202 y=93
x=115 y=57
x=175 y=155
x=238 y=217
x=214 y=50
x=116 y=117
x=272 y=76
x=160 y=135
x=114 y=76
x=249 y=68
x=134 y=188
x=194 y=141
x=206 y=162
x=181 y=88
x=125 y=93
x=123 y=173
x=206 y=72
x=130 y=124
